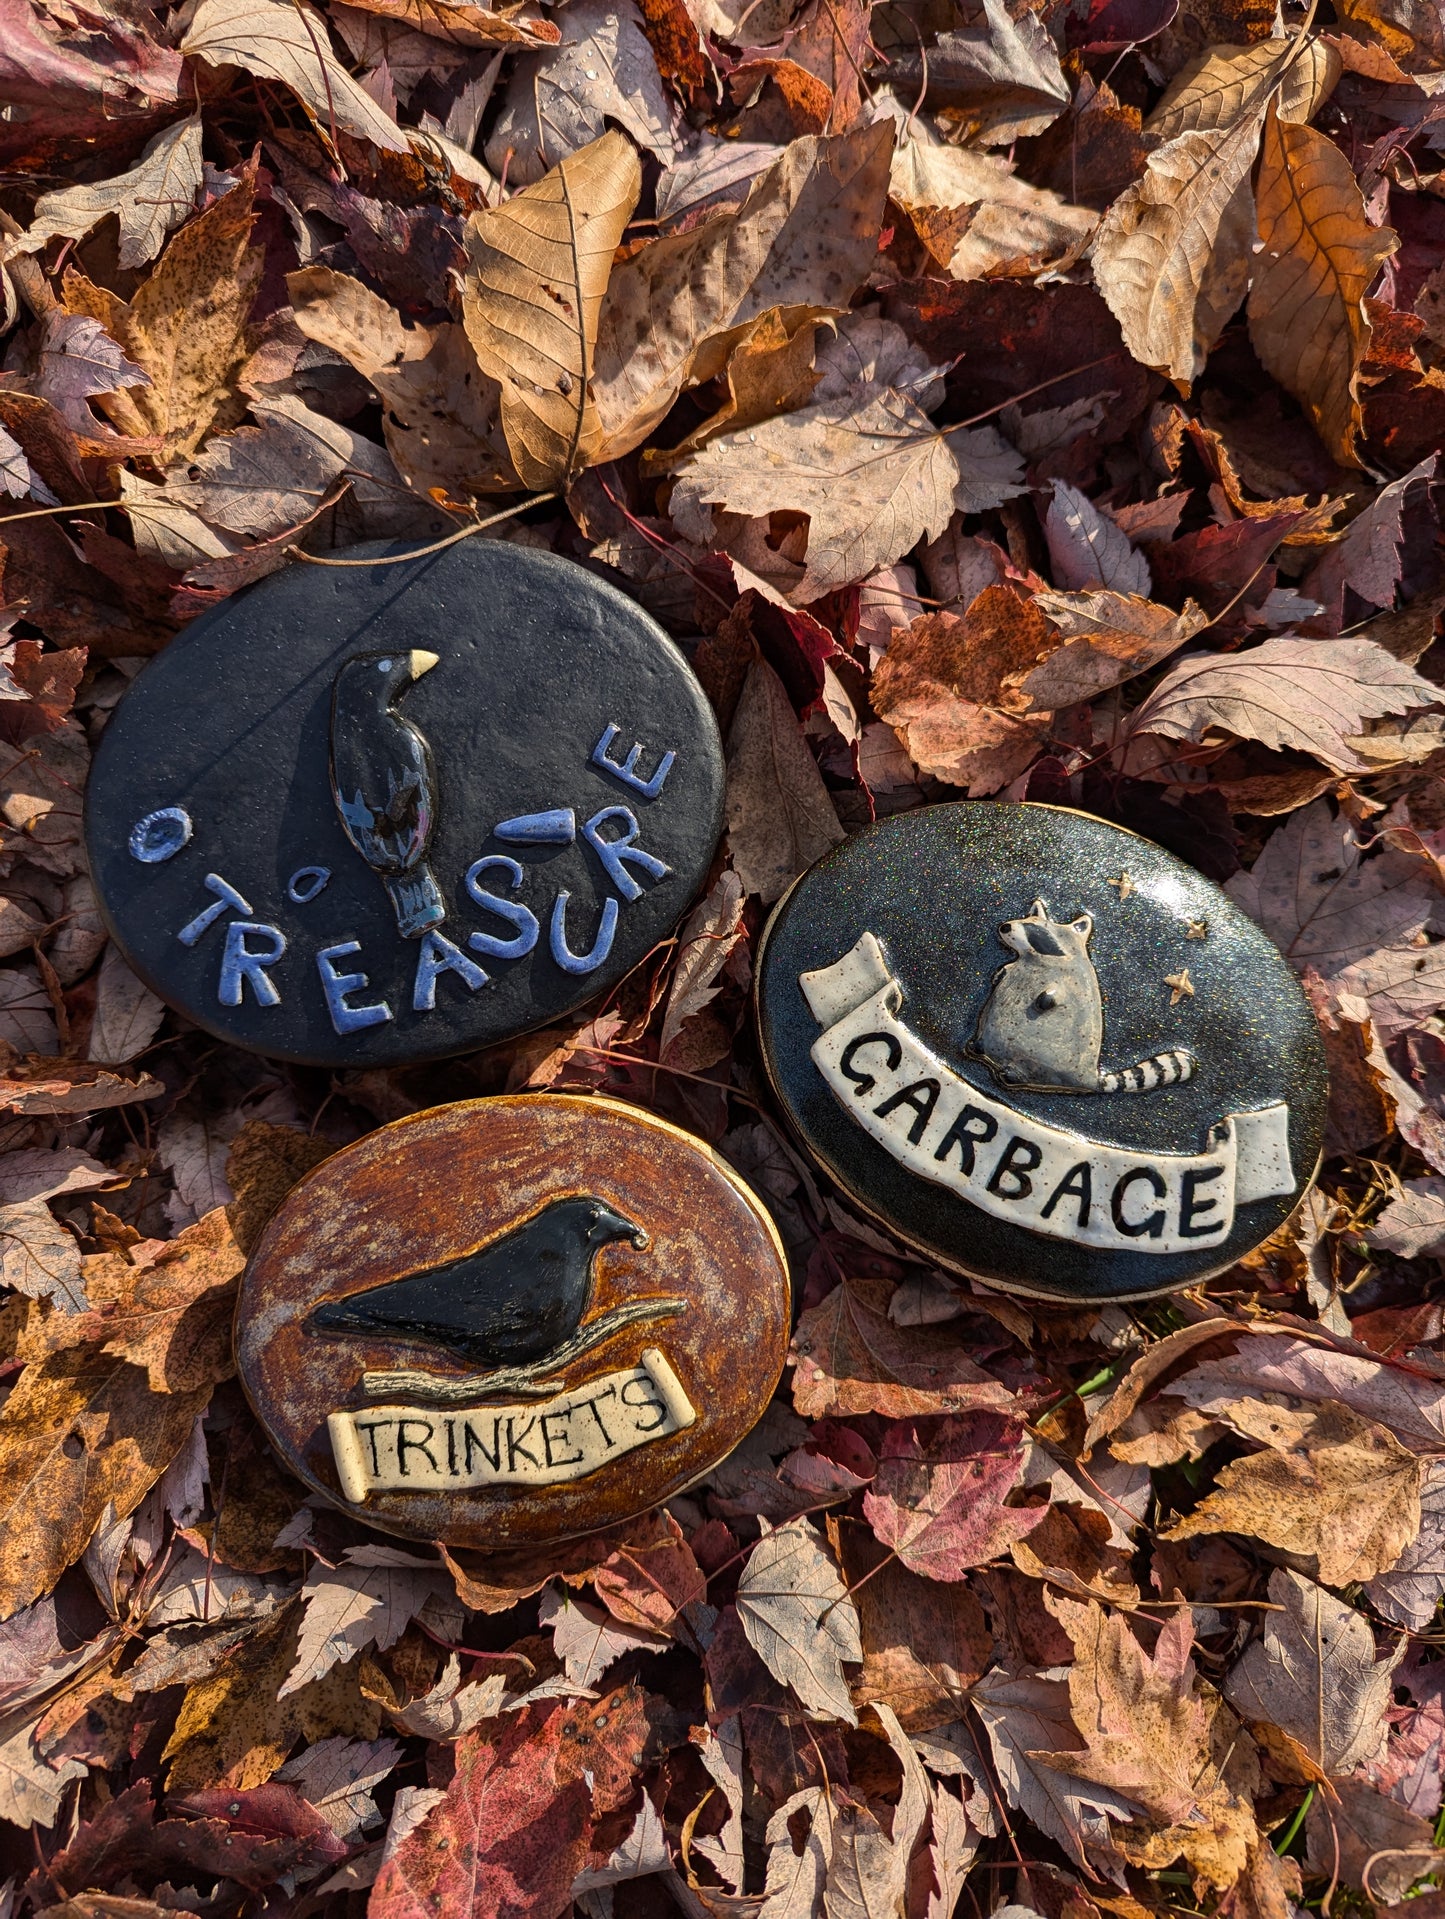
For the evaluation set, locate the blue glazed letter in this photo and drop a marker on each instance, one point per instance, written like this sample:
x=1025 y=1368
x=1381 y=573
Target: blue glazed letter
x=435 y=956
x=569 y=961
x=512 y=911
x=627 y=771
x=240 y=962
x=347 y=1019
x=226 y=896
x=617 y=854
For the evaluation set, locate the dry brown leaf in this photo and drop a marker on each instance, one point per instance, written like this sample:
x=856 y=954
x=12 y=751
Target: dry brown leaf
x=1011 y=219
x=234 y=1729
x=1332 y=1487
x=798 y=1618
x=286 y=41
x=1319 y=255
x=1156 y=1734
x=924 y=1642
x=148 y=200
x=537 y=270
x=803 y=241
x=1109 y=638
x=462 y=23
x=779 y=816
x=441 y=412
x=770 y=371
x=1314 y=696
x=1314 y=1677
x=949 y=686
x=868 y=467
x=1222 y=84
x=186 y=327
x=108 y=1397
x=1172 y=254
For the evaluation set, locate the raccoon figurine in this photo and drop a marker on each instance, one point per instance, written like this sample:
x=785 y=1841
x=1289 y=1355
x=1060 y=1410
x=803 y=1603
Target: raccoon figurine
x=1042 y=1026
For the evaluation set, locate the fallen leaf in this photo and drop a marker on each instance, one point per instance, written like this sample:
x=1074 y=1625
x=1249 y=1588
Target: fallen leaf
x=1307 y=304
x=587 y=1641
x=368 y=1600
x=949 y=686
x=1004 y=75
x=441 y=418
x=849 y=1358
x=537 y=270
x=779 y=816
x=870 y=470
x=671 y=313
x=924 y=1642
x=1413 y=1223
x=1010 y=218
x=31 y=1790
x=127 y=1013
x=559 y=101
x=1331 y=1487
x=1409 y=1592
x=1028 y=1722
x=710 y=935
x=289 y=43
x=939 y=1496
x=186 y=327
x=1109 y=638
x=1309 y=695
x=1364 y=1837
x=107 y=1399
x=1226 y=83
x=38 y=1257
x=1325 y=905
x=69 y=1086
x=798 y=1618
x=1314 y=1677
x=1368 y=556
x=869 y=1870
x=339 y=1776
x=1088 y=549
x=149 y=199
x=1172 y=253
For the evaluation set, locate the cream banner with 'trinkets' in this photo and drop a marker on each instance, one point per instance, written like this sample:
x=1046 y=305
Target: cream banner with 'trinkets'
x=422 y=1449
x=1045 y=1178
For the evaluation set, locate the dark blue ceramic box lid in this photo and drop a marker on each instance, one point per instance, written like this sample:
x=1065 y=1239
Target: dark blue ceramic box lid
x=371 y=815
x=1042 y=1050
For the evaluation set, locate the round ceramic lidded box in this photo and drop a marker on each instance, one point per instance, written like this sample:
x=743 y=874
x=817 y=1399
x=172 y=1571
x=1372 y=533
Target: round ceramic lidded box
x=367 y=815
x=508 y=1321
x=1042 y=1050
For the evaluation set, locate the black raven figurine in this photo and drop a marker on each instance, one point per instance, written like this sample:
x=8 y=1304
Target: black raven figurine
x=384 y=783
x=518 y=1300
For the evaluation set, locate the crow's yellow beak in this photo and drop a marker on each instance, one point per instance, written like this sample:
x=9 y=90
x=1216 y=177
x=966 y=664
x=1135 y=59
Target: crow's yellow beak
x=422 y=663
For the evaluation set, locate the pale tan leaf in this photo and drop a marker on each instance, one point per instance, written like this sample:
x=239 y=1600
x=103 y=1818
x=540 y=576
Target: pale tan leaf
x=154 y=196
x=537 y=269
x=798 y=1618
x=1224 y=83
x=463 y=23
x=1110 y=637
x=704 y=945
x=38 y=1257
x=1314 y=1675
x=870 y=470
x=127 y=1013
x=1319 y=255
x=1308 y=695
x=286 y=41
x=603 y=70
x=1172 y=254
x=1012 y=220
x=186 y=327
x=1088 y=549
x=780 y=818
x=805 y=237
x=368 y=1601
x=1330 y=1487
x=173 y=533
x=440 y=415
x=32 y=1790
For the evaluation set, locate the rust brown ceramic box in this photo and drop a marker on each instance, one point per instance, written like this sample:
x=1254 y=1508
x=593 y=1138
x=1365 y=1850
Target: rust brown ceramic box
x=511 y=1320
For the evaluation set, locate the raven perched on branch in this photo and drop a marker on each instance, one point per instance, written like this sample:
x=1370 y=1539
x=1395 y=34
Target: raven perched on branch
x=384 y=783
x=516 y=1304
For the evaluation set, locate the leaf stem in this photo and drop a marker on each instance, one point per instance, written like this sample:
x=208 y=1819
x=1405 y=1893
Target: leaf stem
x=421 y=552
x=1291 y=1831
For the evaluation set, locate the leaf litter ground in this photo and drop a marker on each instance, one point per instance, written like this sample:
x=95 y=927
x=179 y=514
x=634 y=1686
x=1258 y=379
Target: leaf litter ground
x=995 y=399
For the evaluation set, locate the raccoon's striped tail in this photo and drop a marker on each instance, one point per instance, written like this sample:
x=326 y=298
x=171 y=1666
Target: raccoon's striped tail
x=1164 y=1069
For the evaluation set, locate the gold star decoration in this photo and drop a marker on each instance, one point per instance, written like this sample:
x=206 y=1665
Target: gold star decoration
x=1196 y=930
x=1183 y=986
x=1124 y=884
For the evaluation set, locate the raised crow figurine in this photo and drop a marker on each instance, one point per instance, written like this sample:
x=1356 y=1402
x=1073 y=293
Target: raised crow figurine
x=384 y=783
x=513 y=1308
